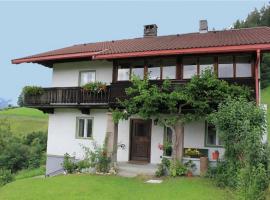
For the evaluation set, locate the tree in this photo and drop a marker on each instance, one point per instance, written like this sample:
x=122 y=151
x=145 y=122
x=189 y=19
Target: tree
x=254 y=19
x=173 y=106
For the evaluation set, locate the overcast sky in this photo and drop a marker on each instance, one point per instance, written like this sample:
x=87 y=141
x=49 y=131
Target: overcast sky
x=28 y=28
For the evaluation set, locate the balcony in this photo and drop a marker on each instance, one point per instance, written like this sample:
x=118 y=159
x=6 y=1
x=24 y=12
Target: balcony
x=68 y=97
x=77 y=97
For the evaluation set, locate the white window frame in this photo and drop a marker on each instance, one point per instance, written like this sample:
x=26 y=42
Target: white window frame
x=85 y=127
x=80 y=76
x=217 y=144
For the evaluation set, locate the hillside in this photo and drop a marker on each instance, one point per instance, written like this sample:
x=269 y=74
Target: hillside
x=266 y=100
x=25 y=120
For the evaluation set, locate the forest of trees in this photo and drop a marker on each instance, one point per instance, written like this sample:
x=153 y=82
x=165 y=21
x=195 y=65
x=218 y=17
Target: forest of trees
x=259 y=18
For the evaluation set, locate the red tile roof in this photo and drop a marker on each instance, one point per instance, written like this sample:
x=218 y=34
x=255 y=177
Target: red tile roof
x=171 y=44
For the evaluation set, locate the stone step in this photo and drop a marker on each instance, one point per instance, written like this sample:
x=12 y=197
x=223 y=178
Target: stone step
x=132 y=170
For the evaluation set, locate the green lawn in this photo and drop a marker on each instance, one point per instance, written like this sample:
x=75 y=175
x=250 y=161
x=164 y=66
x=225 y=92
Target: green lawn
x=111 y=187
x=25 y=120
x=266 y=100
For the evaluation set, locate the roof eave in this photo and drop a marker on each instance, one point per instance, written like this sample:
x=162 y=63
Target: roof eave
x=100 y=56
x=223 y=49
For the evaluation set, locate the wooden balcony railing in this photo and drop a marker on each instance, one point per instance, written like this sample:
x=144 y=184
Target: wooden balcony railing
x=64 y=96
x=78 y=97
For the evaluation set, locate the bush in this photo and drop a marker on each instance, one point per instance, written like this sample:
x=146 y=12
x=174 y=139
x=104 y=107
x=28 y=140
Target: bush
x=83 y=164
x=252 y=183
x=69 y=165
x=15 y=156
x=5 y=176
x=224 y=174
x=95 y=86
x=177 y=168
x=163 y=167
x=98 y=158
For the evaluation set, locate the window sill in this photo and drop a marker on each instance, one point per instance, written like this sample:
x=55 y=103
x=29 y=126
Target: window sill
x=81 y=138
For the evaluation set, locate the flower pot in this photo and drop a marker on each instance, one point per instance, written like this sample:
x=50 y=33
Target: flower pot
x=189 y=174
x=215 y=155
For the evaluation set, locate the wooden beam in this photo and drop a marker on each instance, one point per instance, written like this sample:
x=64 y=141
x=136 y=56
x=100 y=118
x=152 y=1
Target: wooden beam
x=85 y=111
x=257 y=65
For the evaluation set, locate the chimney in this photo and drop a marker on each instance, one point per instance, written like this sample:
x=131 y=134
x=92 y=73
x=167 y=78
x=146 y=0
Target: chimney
x=203 y=26
x=150 y=30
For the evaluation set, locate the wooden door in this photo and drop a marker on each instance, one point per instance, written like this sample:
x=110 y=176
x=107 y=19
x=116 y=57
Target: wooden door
x=140 y=140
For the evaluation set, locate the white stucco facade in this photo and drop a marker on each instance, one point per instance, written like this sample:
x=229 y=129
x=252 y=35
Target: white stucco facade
x=62 y=132
x=67 y=74
x=62 y=135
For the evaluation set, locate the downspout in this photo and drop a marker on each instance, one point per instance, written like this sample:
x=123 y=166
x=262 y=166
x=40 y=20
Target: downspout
x=257 y=65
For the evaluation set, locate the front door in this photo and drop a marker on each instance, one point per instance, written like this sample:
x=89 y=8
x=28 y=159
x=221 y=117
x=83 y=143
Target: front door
x=140 y=140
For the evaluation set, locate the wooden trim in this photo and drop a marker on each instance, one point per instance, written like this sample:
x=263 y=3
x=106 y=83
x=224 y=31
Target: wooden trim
x=257 y=65
x=198 y=65
x=179 y=67
x=234 y=67
x=115 y=71
x=216 y=65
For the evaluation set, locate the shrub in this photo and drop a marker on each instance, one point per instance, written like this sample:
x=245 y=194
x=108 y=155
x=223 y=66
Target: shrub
x=95 y=86
x=242 y=124
x=252 y=183
x=98 y=158
x=32 y=90
x=15 y=156
x=177 y=168
x=5 y=176
x=83 y=164
x=69 y=165
x=163 y=167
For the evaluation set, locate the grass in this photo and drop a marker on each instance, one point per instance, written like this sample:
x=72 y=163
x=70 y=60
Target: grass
x=25 y=120
x=28 y=173
x=266 y=100
x=111 y=187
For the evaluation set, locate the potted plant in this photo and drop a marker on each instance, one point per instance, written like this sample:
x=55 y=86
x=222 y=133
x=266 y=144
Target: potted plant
x=191 y=167
x=192 y=153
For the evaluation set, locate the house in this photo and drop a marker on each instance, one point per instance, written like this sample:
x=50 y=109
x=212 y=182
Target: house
x=77 y=117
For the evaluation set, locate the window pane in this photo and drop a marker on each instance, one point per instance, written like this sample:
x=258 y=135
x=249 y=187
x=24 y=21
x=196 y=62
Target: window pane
x=123 y=73
x=169 y=135
x=139 y=72
x=169 y=68
x=154 y=73
x=243 y=66
x=169 y=72
x=87 y=77
x=80 y=127
x=89 y=128
x=211 y=135
x=189 y=67
x=225 y=67
x=206 y=63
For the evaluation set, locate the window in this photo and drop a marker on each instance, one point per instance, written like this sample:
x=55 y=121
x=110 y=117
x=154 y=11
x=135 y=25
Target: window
x=87 y=77
x=167 y=143
x=154 y=69
x=211 y=136
x=206 y=63
x=123 y=73
x=189 y=67
x=139 y=72
x=243 y=66
x=225 y=67
x=169 y=68
x=84 y=127
x=138 y=68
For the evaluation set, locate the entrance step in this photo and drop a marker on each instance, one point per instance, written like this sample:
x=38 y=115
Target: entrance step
x=127 y=169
